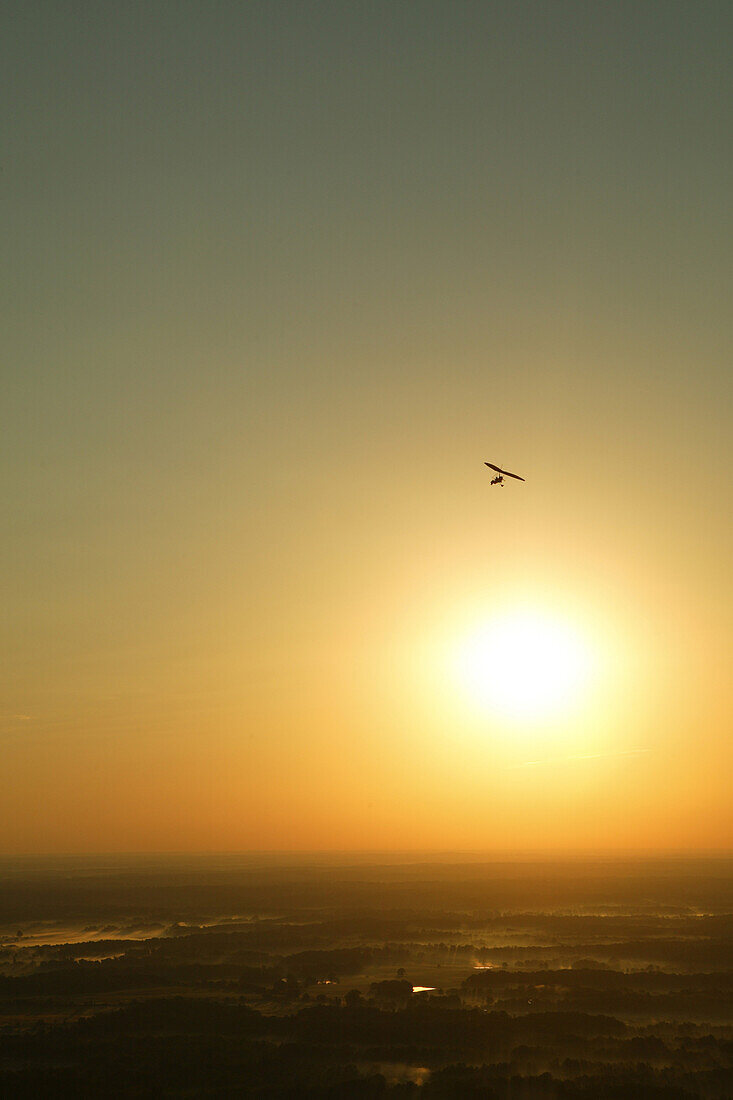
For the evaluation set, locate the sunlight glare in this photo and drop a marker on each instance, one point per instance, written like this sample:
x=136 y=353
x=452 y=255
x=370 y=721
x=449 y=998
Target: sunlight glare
x=524 y=665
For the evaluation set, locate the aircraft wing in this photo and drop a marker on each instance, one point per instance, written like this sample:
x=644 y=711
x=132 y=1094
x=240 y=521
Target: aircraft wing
x=500 y=471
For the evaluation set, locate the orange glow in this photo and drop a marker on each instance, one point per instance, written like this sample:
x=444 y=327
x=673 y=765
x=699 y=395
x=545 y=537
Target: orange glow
x=284 y=279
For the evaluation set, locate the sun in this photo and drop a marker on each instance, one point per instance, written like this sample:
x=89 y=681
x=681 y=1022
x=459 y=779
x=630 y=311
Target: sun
x=525 y=665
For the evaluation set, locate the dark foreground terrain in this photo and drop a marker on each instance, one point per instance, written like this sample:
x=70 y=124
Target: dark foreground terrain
x=243 y=977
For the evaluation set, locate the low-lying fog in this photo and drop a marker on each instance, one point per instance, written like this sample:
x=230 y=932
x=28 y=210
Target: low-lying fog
x=433 y=977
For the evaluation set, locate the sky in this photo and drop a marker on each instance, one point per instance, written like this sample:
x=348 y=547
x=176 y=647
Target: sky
x=278 y=278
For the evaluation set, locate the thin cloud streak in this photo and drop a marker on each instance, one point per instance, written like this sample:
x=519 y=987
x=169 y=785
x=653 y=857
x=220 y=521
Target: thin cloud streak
x=578 y=756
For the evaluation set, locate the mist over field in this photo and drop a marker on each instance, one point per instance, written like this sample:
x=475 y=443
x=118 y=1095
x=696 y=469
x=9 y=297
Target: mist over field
x=329 y=976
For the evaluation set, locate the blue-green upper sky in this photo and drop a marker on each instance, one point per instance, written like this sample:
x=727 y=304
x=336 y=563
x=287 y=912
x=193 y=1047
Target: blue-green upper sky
x=277 y=278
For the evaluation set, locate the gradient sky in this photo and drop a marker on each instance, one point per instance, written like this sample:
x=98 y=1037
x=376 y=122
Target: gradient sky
x=278 y=278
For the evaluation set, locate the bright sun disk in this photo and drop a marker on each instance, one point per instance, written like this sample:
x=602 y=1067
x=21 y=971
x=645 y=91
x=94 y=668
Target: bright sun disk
x=524 y=665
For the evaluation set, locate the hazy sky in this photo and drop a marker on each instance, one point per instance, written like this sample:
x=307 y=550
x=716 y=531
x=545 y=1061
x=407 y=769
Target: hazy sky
x=278 y=278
